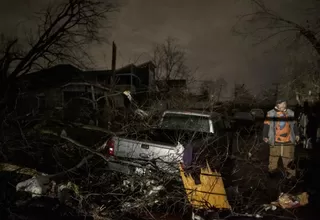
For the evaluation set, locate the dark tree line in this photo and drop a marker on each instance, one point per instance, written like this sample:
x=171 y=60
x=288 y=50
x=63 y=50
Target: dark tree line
x=62 y=34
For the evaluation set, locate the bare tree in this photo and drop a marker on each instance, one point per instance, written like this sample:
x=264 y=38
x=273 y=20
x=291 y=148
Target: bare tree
x=214 y=89
x=267 y=96
x=242 y=94
x=63 y=32
x=170 y=60
x=267 y=23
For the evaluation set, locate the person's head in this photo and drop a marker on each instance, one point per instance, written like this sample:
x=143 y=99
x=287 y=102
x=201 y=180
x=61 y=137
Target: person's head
x=281 y=104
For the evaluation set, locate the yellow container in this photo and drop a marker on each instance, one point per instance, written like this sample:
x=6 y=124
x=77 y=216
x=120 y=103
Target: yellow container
x=210 y=194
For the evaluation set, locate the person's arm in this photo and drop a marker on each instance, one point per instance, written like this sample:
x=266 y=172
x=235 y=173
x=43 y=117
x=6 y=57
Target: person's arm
x=295 y=125
x=296 y=129
x=266 y=127
x=265 y=131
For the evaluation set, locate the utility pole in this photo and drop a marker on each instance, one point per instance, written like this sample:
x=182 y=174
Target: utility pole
x=112 y=83
x=114 y=60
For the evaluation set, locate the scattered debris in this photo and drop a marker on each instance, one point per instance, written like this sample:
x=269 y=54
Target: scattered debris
x=268 y=207
x=37 y=185
x=289 y=201
x=205 y=189
x=150 y=190
x=128 y=95
x=141 y=113
x=40 y=184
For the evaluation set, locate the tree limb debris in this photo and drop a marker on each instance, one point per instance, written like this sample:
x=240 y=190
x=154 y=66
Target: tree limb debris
x=48 y=132
x=39 y=184
x=6 y=167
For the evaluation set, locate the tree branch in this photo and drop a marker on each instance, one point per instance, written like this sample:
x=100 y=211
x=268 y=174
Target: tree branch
x=48 y=132
x=277 y=23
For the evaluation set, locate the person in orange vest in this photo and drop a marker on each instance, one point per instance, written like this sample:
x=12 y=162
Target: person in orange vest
x=281 y=132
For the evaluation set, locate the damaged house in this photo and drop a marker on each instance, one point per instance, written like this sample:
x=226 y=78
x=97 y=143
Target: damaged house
x=72 y=93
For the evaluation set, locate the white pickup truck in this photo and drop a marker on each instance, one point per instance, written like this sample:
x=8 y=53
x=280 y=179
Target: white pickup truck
x=163 y=146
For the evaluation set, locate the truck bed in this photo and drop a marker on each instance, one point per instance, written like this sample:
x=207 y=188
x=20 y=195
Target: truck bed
x=161 y=146
x=164 y=136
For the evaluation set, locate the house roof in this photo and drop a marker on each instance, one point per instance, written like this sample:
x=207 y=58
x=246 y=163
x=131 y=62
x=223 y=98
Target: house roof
x=132 y=65
x=59 y=75
x=51 y=76
x=142 y=65
x=98 y=72
x=65 y=73
x=125 y=68
x=56 y=71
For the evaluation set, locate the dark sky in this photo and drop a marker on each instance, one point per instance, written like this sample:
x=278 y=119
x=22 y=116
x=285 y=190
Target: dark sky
x=203 y=28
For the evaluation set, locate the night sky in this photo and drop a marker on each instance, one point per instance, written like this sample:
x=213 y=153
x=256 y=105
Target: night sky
x=203 y=27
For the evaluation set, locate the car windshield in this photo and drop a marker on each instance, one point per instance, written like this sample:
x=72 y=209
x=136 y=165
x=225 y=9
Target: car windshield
x=185 y=122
